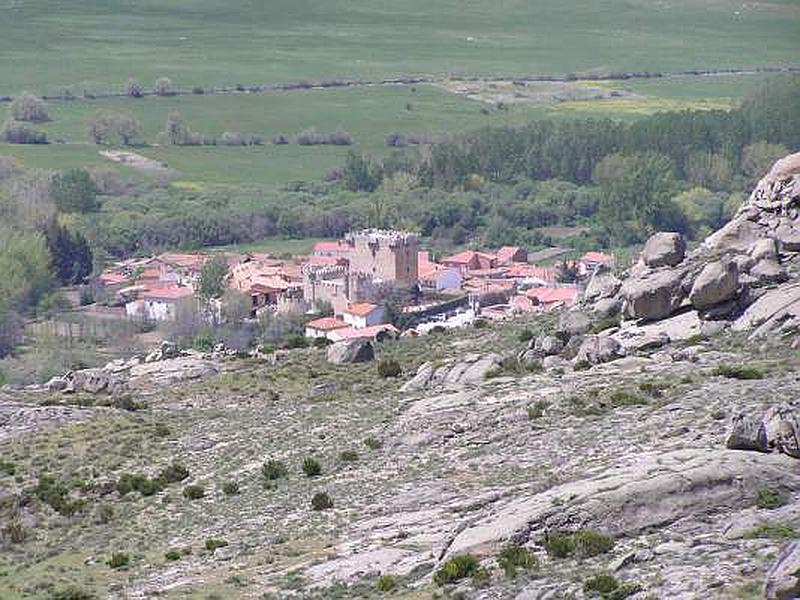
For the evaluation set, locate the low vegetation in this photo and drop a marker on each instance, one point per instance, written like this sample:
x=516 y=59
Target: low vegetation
x=321 y=501
x=457 y=568
x=745 y=372
x=608 y=587
x=514 y=559
x=583 y=543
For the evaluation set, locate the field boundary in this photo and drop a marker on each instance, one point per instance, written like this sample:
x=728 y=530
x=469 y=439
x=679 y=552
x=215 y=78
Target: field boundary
x=417 y=80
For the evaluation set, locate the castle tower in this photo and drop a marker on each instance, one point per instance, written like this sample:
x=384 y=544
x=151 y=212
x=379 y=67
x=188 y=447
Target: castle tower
x=386 y=256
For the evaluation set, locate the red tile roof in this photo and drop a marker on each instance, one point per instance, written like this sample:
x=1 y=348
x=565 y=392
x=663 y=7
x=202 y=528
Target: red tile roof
x=361 y=309
x=507 y=252
x=113 y=278
x=326 y=324
x=466 y=257
x=168 y=293
x=599 y=257
x=331 y=247
x=550 y=295
x=365 y=332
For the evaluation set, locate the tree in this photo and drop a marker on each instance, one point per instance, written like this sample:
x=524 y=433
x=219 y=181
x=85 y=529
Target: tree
x=106 y=127
x=134 y=89
x=74 y=192
x=70 y=256
x=27 y=107
x=361 y=174
x=177 y=133
x=213 y=279
x=163 y=87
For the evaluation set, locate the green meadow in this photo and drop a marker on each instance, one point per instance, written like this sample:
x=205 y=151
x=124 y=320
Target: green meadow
x=368 y=113
x=97 y=44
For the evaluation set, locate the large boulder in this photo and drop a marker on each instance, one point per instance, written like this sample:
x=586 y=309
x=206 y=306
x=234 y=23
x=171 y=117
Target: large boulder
x=664 y=250
x=573 y=323
x=764 y=248
x=547 y=345
x=597 y=349
x=747 y=433
x=603 y=284
x=652 y=296
x=351 y=351
x=717 y=283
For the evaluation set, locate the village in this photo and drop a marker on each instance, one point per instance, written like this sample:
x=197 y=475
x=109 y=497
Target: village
x=372 y=284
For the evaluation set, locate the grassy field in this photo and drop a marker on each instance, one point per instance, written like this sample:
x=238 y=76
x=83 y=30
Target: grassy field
x=369 y=114
x=97 y=45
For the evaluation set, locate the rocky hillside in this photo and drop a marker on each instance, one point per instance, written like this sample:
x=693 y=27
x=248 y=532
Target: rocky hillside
x=642 y=446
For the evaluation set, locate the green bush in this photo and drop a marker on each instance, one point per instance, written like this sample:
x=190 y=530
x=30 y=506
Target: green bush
x=373 y=443
x=129 y=482
x=297 y=341
x=771 y=531
x=322 y=342
x=7 y=468
x=513 y=558
x=55 y=494
x=71 y=593
x=584 y=543
x=388 y=367
x=739 y=372
x=608 y=588
x=619 y=398
x=602 y=584
x=386 y=583
x=213 y=543
x=525 y=335
x=311 y=467
x=273 y=470
x=203 y=342
x=118 y=560
x=321 y=501
x=174 y=473
x=770 y=498
x=230 y=488
x=193 y=492
x=172 y=555
x=347 y=456
x=458 y=567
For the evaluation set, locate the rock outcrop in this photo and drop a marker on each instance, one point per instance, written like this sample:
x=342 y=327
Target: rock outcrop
x=351 y=351
x=664 y=250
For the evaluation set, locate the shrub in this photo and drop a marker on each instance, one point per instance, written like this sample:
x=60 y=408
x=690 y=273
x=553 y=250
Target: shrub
x=386 y=583
x=273 y=470
x=193 y=492
x=480 y=323
x=163 y=87
x=15 y=532
x=203 y=342
x=584 y=543
x=174 y=473
x=15 y=132
x=373 y=443
x=311 y=467
x=213 y=543
x=198 y=90
x=7 y=467
x=348 y=456
x=536 y=410
x=322 y=342
x=772 y=531
x=388 y=367
x=172 y=555
x=55 y=494
x=525 y=335
x=134 y=89
x=280 y=140
x=619 y=398
x=770 y=498
x=135 y=482
x=602 y=584
x=514 y=557
x=71 y=593
x=118 y=560
x=739 y=372
x=27 y=107
x=321 y=501
x=457 y=568
x=297 y=341
x=230 y=488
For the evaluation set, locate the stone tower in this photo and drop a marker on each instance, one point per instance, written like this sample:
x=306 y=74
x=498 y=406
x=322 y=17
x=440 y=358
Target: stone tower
x=387 y=256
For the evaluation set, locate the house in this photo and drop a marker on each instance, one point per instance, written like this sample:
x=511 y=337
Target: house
x=591 y=260
x=548 y=298
x=470 y=260
x=169 y=303
x=363 y=314
x=438 y=277
x=528 y=275
x=324 y=327
x=511 y=254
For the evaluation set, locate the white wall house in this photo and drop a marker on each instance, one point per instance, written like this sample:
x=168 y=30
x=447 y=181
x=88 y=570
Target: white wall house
x=166 y=304
x=363 y=315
